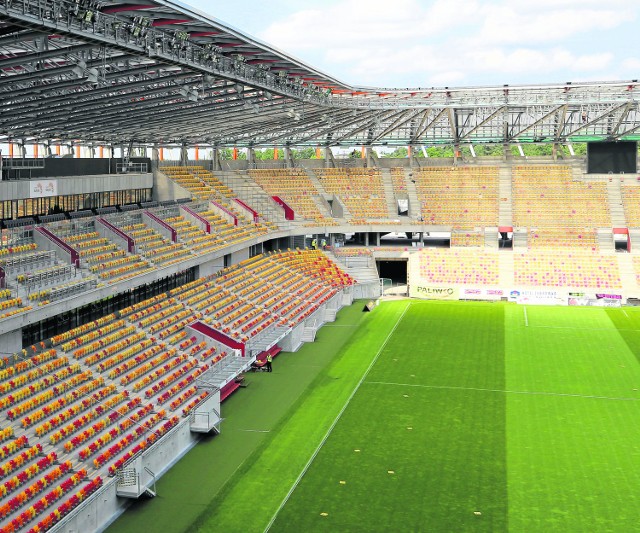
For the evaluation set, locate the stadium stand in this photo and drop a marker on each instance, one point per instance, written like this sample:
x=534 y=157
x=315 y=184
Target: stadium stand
x=105 y=391
x=459 y=267
x=361 y=190
x=631 y=203
x=461 y=197
x=296 y=188
x=548 y=196
x=559 y=268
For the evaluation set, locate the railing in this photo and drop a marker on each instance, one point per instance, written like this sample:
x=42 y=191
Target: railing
x=127 y=477
x=140 y=168
x=74 y=256
x=22 y=164
x=161 y=226
x=118 y=234
x=153 y=476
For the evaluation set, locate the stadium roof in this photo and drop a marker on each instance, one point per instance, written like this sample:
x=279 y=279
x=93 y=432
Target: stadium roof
x=155 y=71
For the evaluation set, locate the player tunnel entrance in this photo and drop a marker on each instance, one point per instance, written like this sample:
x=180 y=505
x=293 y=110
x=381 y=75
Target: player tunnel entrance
x=393 y=269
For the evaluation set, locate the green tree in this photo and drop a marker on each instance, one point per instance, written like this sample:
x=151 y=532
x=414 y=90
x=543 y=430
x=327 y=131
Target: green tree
x=304 y=153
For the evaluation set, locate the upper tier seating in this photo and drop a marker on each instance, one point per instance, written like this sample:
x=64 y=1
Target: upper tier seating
x=398 y=180
x=296 y=189
x=467 y=239
x=360 y=189
x=548 y=196
x=462 y=197
x=559 y=238
x=631 y=203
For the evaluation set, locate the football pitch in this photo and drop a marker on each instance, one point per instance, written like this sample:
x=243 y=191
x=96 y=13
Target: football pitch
x=452 y=417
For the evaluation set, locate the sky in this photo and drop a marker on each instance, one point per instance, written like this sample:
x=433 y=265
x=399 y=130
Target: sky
x=437 y=43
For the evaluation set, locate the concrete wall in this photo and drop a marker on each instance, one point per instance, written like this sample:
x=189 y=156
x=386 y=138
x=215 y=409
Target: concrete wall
x=240 y=255
x=18 y=190
x=10 y=342
x=167 y=189
x=211 y=267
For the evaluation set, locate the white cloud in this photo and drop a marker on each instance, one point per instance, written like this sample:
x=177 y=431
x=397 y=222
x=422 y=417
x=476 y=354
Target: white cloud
x=367 y=42
x=631 y=63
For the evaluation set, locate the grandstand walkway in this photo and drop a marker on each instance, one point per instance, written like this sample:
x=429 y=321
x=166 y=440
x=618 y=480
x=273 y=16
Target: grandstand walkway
x=249 y=418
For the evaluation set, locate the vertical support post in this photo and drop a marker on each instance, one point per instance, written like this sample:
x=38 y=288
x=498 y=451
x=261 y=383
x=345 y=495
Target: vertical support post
x=216 y=158
x=287 y=157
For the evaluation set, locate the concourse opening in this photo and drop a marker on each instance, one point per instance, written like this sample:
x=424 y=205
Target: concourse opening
x=393 y=269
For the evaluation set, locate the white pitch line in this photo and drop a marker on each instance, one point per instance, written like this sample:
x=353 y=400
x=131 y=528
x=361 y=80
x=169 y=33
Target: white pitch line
x=585 y=329
x=256 y=430
x=625 y=313
x=533 y=393
x=526 y=319
x=334 y=423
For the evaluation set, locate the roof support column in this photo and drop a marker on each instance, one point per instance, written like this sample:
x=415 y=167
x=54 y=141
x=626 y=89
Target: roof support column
x=184 y=156
x=216 y=158
x=288 y=160
x=329 y=161
x=369 y=161
x=506 y=152
x=412 y=153
x=251 y=158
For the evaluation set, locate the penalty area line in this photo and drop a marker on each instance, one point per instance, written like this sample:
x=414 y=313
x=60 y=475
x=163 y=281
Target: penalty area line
x=526 y=318
x=335 y=422
x=504 y=391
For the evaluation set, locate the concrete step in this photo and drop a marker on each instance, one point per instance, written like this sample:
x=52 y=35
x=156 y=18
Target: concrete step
x=506 y=268
x=389 y=194
x=505 y=186
x=415 y=210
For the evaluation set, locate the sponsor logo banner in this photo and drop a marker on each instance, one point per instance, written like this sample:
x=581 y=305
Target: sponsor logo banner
x=595 y=302
x=609 y=296
x=481 y=294
x=433 y=292
x=534 y=297
x=43 y=188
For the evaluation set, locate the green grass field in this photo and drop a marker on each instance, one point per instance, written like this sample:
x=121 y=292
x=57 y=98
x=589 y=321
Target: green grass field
x=427 y=416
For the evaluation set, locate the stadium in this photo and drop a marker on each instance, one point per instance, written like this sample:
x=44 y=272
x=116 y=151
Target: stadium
x=444 y=279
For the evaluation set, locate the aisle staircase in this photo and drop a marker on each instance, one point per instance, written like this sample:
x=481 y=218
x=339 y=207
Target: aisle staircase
x=506 y=268
x=616 y=208
x=628 y=275
x=505 y=196
x=387 y=184
x=252 y=194
x=362 y=268
x=414 y=203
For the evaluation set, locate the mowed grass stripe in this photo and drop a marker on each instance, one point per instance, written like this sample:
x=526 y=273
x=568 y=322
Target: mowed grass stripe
x=573 y=463
x=428 y=459
x=249 y=500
